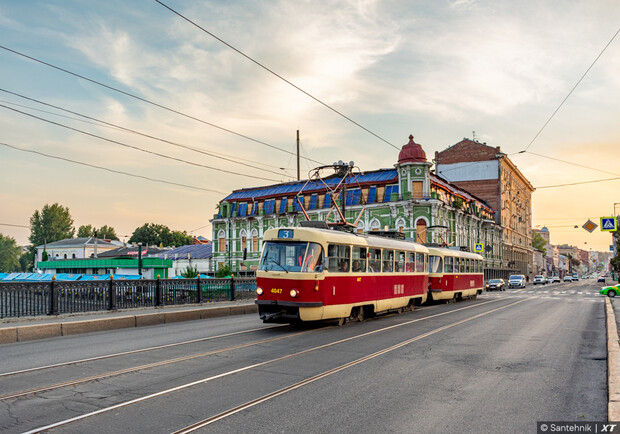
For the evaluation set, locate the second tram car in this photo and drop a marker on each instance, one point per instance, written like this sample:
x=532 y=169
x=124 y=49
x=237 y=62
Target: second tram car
x=310 y=274
x=454 y=274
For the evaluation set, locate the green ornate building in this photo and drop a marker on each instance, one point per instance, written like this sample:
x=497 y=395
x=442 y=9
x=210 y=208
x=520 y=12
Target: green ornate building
x=409 y=198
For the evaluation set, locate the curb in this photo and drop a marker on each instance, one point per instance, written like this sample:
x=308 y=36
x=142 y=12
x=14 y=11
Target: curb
x=24 y=333
x=613 y=363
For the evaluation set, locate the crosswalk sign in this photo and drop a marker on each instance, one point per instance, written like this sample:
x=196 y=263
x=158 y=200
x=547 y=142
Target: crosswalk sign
x=479 y=247
x=609 y=224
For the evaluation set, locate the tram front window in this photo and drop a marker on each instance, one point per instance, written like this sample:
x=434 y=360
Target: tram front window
x=434 y=264
x=292 y=257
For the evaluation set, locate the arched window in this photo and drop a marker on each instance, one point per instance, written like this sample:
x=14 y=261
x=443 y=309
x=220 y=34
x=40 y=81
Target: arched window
x=73 y=256
x=420 y=230
x=360 y=227
x=65 y=256
x=254 y=240
x=244 y=239
x=400 y=225
x=221 y=240
x=375 y=225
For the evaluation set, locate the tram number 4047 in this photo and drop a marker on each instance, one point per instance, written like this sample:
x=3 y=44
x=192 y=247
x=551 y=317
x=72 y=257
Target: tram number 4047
x=276 y=290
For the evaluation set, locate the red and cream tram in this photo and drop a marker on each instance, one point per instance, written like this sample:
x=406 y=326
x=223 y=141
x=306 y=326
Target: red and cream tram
x=454 y=274
x=311 y=274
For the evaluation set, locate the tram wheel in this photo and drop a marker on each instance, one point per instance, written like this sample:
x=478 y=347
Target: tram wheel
x=341 y=322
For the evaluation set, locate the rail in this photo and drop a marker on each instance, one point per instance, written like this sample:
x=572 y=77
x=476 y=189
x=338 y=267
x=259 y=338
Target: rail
x=19 y=299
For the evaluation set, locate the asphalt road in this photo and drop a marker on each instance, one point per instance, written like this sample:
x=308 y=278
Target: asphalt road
x=495 y=364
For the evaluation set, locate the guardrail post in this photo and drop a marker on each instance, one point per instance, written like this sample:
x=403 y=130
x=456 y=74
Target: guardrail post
x=111 y=294
x=198 y=290
x=53 y=297
x=158 y=295
x=232 y=288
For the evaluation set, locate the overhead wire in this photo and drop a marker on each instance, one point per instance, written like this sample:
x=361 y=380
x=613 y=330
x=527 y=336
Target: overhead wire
x=107 y=169
x=571 y=91
x=136 y=147
x=139 y=98
x=118 y=127
x=256 y=62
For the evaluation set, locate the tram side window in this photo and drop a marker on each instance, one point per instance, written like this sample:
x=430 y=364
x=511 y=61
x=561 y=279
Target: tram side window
x=399 y=262
x=447 y=264
x=339 y=258
x=359 y=259
x=420 y=262
x=457 y=265
x=410 y=265
x=388 y=261
x=467 y=269
x=374 y=260
x=435 y=264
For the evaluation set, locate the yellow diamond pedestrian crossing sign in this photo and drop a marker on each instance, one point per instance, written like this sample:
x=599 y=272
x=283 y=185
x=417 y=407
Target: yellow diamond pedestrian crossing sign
x=609 y=224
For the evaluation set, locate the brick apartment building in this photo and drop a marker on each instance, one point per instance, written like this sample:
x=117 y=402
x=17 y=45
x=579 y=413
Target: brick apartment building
x=487 y=173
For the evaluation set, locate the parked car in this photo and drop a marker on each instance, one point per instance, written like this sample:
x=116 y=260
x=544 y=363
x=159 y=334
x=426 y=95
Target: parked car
x=556 y=279
x=575 y=276
x=516 y=281
x=568 y=279
x=610 y=291
x=601 y=279
x=540 y=280
x=550 y=280
x=496 y=285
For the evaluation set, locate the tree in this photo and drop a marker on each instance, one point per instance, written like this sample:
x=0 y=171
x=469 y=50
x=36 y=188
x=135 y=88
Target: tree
x=538 y=242
x=26 y=261
x=53 y=223
x=85 y=231
x=9 y=254
x=104 y=232
x=153 y=234
x=225 y=271
x=107 y=232
x=190 y=272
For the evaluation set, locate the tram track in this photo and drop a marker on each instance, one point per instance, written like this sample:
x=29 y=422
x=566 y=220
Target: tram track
x=141 y=350
x=286 y=357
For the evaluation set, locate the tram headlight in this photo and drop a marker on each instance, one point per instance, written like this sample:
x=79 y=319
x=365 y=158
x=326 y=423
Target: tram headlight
x=259 y=290
x=294 y=293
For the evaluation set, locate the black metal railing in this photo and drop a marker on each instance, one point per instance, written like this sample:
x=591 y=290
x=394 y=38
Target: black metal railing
x=19 y=299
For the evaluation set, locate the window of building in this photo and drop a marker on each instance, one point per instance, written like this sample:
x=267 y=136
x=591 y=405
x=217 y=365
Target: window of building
x=353 y=197
x=296 y=201
x=417 y=190
x=327 y=202
x=420 y=229
x=243 y=209
x=372 y=194
x=388 y=192
x=254 y=240
x=221 y=242
x=313 y=201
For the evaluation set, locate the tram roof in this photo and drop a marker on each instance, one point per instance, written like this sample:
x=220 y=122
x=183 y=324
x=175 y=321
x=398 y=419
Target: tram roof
x=443 y=251
x=341 y=237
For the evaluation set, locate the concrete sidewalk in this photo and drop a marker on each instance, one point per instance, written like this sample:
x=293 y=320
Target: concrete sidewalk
x=31 y=328
x=613 y=359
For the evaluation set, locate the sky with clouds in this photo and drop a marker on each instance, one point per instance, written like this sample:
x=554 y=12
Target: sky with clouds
x=440 y=70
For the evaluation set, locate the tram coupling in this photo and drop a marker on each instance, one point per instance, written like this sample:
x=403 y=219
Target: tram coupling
x=272 y=316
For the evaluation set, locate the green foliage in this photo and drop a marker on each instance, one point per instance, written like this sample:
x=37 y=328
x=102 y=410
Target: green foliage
x=615 y=261
x=53 y=223
x=104 y=232
x=225 y=271
x=26 y=261
x=154 y=235
x=190 y=272
x=85 y=231
x=457 y=202
x=9 y=254
x=538 y=242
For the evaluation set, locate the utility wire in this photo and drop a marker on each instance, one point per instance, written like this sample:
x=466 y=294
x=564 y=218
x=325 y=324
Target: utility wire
x=276 y=74
x=136 y=147
x=579 y=183
x=16 y=226
x=200 y=151
x=149 y=102
x=110 y=170
x=569 y=93
x=568 y=162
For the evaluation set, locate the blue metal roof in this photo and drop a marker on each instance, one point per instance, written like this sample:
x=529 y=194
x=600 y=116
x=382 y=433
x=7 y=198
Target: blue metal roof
x=198 y=251
x=292 y=188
